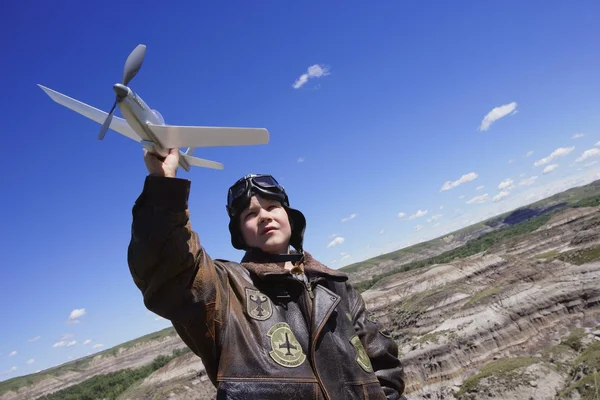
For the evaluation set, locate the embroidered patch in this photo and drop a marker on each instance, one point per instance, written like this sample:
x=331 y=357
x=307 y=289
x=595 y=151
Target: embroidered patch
x=362 y=358
x=258 y=306
x=385 y=333
x=285 y=349
x=370 y=317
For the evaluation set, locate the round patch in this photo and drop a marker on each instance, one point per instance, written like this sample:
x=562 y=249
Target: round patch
x=285 y=349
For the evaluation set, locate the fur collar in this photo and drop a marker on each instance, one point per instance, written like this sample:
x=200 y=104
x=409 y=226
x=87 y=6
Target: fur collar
x=258 y=264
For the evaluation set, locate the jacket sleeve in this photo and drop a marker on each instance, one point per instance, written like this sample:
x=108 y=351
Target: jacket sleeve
x=380 y=347
x=177 y=279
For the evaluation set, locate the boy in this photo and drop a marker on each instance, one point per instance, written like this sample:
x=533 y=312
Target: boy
x=277 y=325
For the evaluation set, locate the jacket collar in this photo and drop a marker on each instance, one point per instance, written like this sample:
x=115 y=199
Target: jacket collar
x=258 y=263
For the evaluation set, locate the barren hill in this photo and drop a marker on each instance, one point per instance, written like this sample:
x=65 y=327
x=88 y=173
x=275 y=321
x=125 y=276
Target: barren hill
x=506 y=309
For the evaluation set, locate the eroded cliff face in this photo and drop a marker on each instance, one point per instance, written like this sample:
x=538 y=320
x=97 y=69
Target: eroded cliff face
x=520 y=321
x=521 y=298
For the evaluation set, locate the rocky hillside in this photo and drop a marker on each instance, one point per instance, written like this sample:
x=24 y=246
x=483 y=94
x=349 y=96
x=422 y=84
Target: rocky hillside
x=510 y=310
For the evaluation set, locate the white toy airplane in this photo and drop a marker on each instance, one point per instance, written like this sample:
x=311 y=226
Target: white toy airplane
x=148 y=127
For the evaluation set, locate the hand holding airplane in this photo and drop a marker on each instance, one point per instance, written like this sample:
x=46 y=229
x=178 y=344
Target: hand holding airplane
x=147 y=126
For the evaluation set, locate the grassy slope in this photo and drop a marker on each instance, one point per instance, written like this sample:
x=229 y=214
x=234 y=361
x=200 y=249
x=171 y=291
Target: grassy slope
x=587 y=195
x=79 y=364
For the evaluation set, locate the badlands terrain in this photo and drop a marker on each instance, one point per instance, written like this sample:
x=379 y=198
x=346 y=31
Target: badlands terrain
x=505 y=309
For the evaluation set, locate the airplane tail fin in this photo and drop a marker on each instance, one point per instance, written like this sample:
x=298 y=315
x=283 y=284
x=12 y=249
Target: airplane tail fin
x=200 y=162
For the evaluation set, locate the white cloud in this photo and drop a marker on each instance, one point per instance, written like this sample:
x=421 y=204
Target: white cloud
x=96 y=346
x=529 y=181
x=512 y=160
x=505 y=184
x=590 y=163
x=434 y=217
x=479 y=187
x=66 y=336
x=401 y=215
x=530 y=152
x=463 y=179
x=64 y=343
x=314 y=71
x=550 y=168
x=381 y=232
x=13 y=353
x=336 y=241
x=300 y=159
x=345 y=257
x=598 y=144
x=559 y=152
x=587 y=154
x=418 y=228
x=35 y=339
x=87 y=341
x=418 y=214
x=352 y=216
x=30 y=361
x=462 y=196
x=578 y=135
x=500 y=195
x=75 y=314
x=496 y=114
x=479 y=199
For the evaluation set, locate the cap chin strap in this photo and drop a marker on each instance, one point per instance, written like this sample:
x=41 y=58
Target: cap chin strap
x=277 y=258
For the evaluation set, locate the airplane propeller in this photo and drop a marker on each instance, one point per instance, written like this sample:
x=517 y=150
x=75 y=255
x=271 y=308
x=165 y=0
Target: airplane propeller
x=132 y=66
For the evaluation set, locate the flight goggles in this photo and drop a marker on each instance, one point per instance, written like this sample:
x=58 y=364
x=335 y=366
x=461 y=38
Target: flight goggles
x=242 y=189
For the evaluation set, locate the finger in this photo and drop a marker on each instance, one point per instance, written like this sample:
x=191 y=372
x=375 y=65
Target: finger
x=173 y=151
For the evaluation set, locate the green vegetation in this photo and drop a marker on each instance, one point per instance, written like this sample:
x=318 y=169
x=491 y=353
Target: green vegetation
x=587 y=365
x=470 y=248
x=574 y=339
x=482 y=295
x=78 y=365
x=582 y=256
x=110 y=386
x=548 y=254
x=503 y=369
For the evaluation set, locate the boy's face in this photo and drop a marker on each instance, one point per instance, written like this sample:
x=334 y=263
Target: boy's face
x=265 y=225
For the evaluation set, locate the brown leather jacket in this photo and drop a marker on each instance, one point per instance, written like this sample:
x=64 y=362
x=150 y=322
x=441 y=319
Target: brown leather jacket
x=261 y=332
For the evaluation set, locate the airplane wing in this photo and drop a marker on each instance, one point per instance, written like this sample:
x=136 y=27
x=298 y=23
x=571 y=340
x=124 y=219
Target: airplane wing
x=117 y=124
x=201 y=162
x=171 y=136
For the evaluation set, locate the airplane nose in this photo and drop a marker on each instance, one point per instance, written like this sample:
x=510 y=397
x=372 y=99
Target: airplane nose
x=121 y=90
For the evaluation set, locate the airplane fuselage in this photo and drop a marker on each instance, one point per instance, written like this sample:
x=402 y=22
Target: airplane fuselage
x=138 y=114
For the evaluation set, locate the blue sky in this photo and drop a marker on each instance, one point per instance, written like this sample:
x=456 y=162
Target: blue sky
x=384 y=142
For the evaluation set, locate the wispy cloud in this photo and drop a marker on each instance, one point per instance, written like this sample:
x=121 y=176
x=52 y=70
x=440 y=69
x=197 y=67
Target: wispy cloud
x=352 y=216
x=87 y=341
x=530 y=152
x=434 y=218
x=64 y=343
x=337 y=241
x=549 y=168
x=479 y=199
x=75 y=315
x=528 y=182
x=418 y=214
x=401 y=215
x=505 y=184
x=587 y=154
x=96 y=346
x=30 y=361
x=577 y=135
x=35 y=339
x=559 y=152
x=598 y=144
x=479 y=187
x=314 y=71
x=500 y=195
x=13 y=353
x=463 y=179
x=418 y=228
x=496 y=114
x=300 y=160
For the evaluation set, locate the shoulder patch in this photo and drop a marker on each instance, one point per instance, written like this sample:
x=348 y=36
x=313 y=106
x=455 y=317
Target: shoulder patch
x=285 y=348
x=258 y=306
x=385 y=332
x=362 y=358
